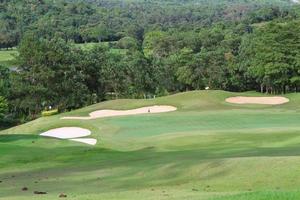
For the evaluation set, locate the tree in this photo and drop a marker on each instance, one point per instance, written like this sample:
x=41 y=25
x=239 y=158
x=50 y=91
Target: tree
x=184 y=63
x=93 y=62
x=271 y=57
x=4 y=81
x=128 y=43
x=3 y=107
x=50 y=75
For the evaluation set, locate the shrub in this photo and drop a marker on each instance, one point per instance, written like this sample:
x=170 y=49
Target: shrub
x=3 y=107
x=49 y=113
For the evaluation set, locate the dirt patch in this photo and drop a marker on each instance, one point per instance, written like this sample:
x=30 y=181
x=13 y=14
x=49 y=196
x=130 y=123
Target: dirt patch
x=38 y=192
x=62 y=195
x=258 y=100
x=113 y=113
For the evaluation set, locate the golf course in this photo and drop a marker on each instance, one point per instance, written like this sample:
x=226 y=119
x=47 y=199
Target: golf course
x=206 y=149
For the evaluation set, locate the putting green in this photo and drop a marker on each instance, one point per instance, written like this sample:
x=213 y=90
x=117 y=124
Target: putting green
x=206 y=149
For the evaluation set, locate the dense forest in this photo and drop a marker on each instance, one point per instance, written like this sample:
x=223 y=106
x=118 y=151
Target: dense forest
x=73 y=53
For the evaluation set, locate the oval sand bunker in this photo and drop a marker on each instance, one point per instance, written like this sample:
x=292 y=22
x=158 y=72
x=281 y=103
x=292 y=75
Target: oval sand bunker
x=67 y=133
x=71 y=133
x=113 y=113
x=258 y=100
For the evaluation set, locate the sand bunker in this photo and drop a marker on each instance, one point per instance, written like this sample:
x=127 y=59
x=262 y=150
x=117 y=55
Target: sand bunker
x=112 y=113
x=67 y=133
x=258 y=100
x=71 y=133
x=89 y=141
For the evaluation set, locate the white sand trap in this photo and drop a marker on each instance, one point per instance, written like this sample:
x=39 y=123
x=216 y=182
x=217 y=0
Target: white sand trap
x=258 y=100
x=89 y=141
x=112 y=113
x=67 y=133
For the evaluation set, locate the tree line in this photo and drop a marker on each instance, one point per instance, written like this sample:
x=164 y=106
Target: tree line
x=110 y=20
x=254 y=50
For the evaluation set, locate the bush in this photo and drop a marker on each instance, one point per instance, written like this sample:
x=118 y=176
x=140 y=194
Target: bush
x=8 y=121
x=3 y=107
x=49 y=113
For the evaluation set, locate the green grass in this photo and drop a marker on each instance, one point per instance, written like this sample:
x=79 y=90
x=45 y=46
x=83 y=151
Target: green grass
x=207 y=149
x=7 y=57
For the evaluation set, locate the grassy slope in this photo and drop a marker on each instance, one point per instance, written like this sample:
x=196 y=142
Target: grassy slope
x=208 y=149
x=7 y=57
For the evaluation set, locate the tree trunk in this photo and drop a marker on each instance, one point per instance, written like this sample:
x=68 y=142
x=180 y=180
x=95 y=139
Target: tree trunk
x=271 y=90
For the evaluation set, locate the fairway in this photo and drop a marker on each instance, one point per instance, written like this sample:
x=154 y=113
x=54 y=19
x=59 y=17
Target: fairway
x=206 y=149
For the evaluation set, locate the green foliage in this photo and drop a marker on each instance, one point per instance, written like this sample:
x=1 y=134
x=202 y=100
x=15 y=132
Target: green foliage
x=50 y=74
x=75 y=53
x=128 y=43
x=3 y=107
x=4 y=81
x=49 y=113
x=151 y=40
x=271 y=56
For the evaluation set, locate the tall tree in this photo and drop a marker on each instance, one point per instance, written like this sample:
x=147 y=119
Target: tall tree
x=3 y=107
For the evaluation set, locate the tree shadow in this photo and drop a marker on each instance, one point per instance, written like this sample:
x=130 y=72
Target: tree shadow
x=146 y=166
x=16 y=137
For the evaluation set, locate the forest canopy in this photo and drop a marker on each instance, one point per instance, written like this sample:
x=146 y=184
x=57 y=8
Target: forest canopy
x=72 y=53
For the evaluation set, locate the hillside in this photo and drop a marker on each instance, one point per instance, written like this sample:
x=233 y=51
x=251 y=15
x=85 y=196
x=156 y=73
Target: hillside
x=68 y=54
x=149 y=99
x=190 y=153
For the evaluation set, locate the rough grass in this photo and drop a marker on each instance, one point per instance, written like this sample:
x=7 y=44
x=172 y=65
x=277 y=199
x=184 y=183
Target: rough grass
x=267 y=195
x=207 y=149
